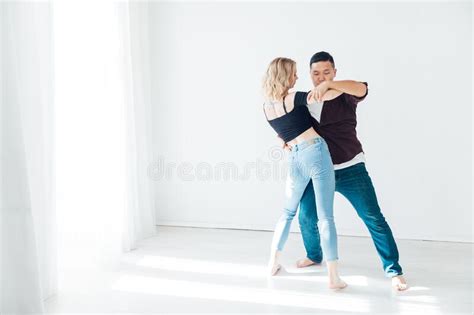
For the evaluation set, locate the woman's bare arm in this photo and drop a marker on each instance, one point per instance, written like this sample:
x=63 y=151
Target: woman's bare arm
x=329 y=95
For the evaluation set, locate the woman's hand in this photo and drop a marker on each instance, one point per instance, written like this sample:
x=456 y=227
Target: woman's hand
x=327 y=96
x=320 y=90
x=311 y=98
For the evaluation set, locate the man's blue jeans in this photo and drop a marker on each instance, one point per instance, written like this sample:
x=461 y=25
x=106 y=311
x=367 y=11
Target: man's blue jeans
x=355 y=184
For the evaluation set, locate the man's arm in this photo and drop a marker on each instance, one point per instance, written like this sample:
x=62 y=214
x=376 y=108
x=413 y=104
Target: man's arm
x=283 y=144
x=350 y=87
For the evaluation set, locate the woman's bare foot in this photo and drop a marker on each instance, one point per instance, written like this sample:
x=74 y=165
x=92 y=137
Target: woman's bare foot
x=273 y=269
x=305 y=262
x=334 y=281
x=337 y=284
x=399 y=283
x=273 y=265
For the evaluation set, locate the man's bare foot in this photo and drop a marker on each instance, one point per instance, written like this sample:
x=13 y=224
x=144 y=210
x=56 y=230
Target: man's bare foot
x=399 y=283
x=305 y=262
x=337 y=284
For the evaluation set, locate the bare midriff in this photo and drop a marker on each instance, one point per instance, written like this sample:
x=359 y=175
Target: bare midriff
x=308 y=134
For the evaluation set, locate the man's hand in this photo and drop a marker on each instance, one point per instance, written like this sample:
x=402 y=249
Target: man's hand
x=283 y=144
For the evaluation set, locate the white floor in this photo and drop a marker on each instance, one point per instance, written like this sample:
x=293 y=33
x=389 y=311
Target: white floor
x=192 y=270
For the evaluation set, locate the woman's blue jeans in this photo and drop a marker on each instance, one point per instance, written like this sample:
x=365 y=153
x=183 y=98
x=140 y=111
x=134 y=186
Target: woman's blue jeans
x=310 y=161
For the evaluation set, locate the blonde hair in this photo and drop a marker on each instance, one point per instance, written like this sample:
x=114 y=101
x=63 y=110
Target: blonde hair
x=276 y=81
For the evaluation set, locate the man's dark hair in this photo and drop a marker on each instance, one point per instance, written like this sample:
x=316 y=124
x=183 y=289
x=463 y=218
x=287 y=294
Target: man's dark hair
x=322 y=56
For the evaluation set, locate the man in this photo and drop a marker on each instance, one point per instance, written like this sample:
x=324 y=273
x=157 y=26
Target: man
x=336 y=121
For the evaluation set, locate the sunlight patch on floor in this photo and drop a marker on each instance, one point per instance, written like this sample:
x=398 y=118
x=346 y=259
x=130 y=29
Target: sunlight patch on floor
x=151 y=285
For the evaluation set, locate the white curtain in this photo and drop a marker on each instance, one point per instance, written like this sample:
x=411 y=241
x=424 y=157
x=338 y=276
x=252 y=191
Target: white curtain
x=136 y=63
x=103 y=129
x=100 y=134
x=28 y=270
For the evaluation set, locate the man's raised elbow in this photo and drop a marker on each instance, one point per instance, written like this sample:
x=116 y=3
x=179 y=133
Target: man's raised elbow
x=362 y=90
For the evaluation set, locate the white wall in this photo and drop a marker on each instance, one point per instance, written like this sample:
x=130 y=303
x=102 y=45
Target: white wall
x=415 y=125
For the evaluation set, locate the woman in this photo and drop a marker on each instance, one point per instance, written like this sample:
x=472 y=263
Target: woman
x=309 y=159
